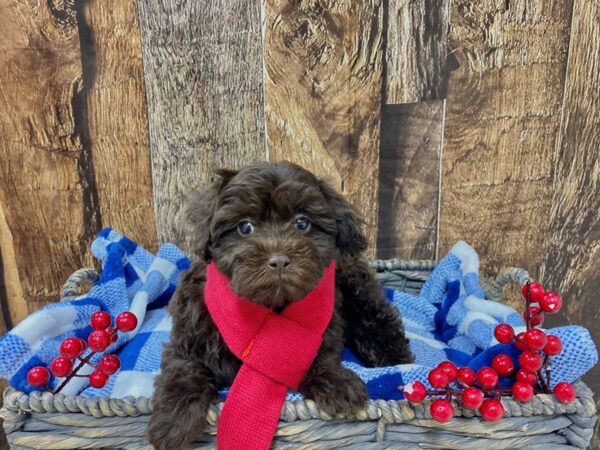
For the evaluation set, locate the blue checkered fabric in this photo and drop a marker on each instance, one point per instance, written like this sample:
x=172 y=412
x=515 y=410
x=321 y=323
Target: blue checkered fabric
x=132 y=279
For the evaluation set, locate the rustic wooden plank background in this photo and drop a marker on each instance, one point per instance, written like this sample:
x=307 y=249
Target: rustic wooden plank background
x=409 y=170
x=441 y=119
x=46 y=191
x=323 y=81
x=501 y=123
x=203 y=71
x=117 y=117
x=416 y=48
x=572 y=250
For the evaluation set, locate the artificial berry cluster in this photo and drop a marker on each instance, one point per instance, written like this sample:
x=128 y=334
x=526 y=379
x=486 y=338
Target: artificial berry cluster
x=72 y=351
x=533 y=376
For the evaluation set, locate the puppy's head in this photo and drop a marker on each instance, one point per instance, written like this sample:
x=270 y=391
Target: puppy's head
x=272 y=229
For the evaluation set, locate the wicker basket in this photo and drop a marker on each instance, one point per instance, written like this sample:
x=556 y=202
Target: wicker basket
x=46 y=421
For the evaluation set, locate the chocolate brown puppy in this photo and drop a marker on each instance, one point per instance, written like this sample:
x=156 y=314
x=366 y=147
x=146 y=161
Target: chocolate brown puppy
x=272 y=229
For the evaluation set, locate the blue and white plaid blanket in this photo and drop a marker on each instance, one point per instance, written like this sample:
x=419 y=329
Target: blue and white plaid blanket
x=449 y=319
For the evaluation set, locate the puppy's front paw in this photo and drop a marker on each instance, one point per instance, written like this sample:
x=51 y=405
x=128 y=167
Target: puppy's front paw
x=395 y=355
x=170 y=431
x=336 y=391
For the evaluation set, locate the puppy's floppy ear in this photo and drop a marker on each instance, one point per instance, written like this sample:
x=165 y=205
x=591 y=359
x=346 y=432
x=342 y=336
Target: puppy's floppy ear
x=200 y=210
x=350 y=240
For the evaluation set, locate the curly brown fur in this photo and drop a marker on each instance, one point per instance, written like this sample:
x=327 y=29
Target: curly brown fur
x=196 y=363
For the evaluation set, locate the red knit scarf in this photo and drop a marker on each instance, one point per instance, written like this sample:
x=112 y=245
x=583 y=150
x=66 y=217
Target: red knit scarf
x=276 y=350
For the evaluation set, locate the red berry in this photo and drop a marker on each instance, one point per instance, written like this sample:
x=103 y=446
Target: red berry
x=441 y=410
x=466 y=375
x=525 y=376
x=450 y=369
x=109 y=364
x=100 y=320
x=551 y=302
x=487 y=377
x=38 y=376
x=472 y=398
x=72 y=347
x=535 y=316
x=438 y=378
x=492 y=410
x=503 y=364
x=98 y=379
x=564 y=392
x=553 y=346
x=530 y=361
x=113 y=337
x=61 y=366
x=415 y=392
x=535 y=339
x=504 y=333
x=126 y=321
x=522 y=391
x=520 y=342
x=536 y=290
x=98 y=340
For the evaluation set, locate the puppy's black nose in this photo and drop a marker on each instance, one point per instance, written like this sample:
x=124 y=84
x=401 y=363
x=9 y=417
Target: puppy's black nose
x=278 y=262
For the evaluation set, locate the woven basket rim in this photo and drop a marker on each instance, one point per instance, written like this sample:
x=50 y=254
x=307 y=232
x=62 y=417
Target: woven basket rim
x=392 y=411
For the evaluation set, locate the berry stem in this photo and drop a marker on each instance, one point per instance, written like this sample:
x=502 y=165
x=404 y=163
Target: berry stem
x=546 y=367
x=527 y=304
x=87 y=362
x=461 y=383
x=73 y=372
x=545 y=386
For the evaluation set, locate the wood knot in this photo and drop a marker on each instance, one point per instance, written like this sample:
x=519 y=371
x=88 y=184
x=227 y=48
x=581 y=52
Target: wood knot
x=64 y=13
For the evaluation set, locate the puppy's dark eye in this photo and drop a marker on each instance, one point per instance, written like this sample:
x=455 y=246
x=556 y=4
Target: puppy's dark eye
x=245 y=228
x=303 y=224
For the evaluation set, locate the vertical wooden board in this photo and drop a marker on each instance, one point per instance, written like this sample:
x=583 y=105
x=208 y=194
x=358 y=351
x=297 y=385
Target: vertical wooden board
x=502 y=117
x=203 y=73
x=45 y=167
x=118 y=123
x=5 y=324
x=409 y=169
x=572 y=265
x=323 y=69
x=13 y=305
x=416 y=50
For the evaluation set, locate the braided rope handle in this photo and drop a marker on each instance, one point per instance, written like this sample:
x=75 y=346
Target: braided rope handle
x=494 y=290
x=79 y=283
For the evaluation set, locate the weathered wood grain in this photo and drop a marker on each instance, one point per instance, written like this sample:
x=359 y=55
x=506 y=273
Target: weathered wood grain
x=117 y=117
x=323 y=71
x=502 y=117
x=5 y=322
x=12 y=303
x=46 y=173
x=572 y=265
x=203 y=72
x=409 y=170
x=416 y=50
